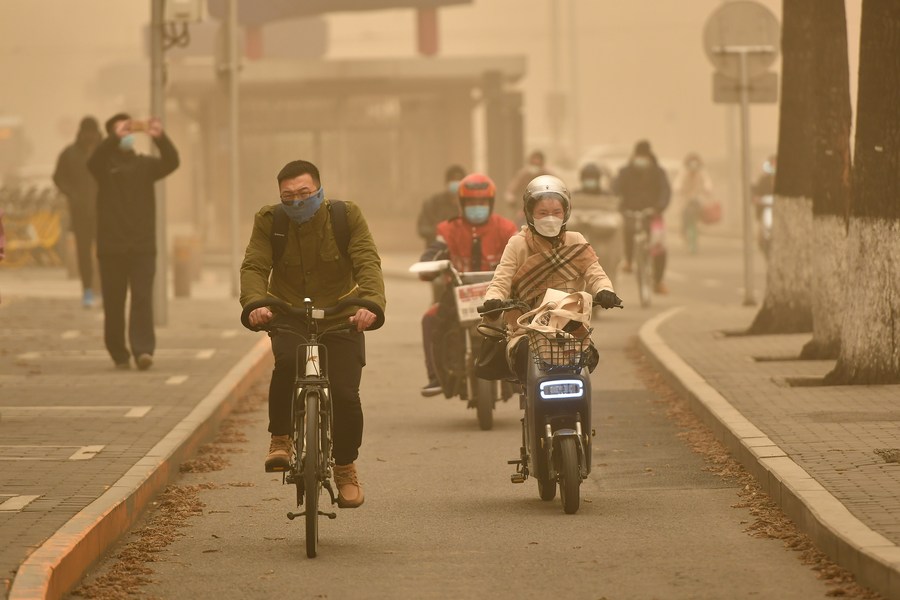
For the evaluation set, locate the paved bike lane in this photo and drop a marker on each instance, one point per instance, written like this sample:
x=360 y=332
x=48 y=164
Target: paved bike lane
x=83 y=446
x=827 y=455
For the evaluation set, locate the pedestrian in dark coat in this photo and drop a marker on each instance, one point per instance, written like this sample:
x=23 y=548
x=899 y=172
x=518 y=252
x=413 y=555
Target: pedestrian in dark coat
x=126 y=233
x=80 y=189
x=642 y=184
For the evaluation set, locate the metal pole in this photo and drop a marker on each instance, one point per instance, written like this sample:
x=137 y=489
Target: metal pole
x=749 y=296
x=234 y=141
x=158 y=110
x=573 y=67
x=555 y=120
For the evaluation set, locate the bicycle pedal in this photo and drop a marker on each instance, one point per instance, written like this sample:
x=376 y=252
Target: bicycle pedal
x=517 y=478
x=328 y=514
x=514 y=462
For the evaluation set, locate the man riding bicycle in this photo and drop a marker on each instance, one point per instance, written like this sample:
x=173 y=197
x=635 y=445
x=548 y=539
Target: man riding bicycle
x=313 y=264
x=473 y=241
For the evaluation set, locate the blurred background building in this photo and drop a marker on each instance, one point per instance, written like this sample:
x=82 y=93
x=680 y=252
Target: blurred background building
x=381 y=94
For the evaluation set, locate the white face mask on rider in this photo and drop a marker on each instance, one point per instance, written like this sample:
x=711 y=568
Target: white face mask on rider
x=548 y=226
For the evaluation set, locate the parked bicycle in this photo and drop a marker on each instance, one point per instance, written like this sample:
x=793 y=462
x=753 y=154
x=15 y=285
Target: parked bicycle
x=643 y=267
x=311 y=466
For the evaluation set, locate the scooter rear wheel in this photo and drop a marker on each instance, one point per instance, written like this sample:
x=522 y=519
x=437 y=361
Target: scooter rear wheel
x=569 y=476
x=484 y=403
x=546 y=489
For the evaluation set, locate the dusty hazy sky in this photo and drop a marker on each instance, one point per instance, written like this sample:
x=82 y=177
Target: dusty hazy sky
x=641 y=69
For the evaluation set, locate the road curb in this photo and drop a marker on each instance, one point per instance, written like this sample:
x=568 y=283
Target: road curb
x=60 y=563
x=872 y=558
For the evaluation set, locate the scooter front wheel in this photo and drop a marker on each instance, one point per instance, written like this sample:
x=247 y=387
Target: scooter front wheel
x=569 y=475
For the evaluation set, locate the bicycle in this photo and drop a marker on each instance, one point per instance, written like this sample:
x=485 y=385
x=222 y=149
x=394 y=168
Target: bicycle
x=311 y=409
x=642 y=259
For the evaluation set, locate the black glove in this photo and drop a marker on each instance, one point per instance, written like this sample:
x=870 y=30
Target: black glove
x=608 y=299
x=492 y=304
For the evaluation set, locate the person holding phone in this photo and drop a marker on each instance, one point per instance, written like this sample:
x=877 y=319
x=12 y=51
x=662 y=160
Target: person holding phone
x=126 y=233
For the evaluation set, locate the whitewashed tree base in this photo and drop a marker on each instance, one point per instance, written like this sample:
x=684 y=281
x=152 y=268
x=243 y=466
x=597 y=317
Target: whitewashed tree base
x=829 y=299
x=870 y=336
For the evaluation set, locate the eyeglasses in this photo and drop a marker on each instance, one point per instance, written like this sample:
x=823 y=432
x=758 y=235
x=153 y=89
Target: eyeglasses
x=300 y=195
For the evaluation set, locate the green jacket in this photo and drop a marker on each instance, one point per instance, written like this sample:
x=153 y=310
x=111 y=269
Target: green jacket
x=312 y=265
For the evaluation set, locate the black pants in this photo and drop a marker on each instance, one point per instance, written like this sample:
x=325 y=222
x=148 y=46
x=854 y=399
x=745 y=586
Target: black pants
x=120 y=273
x=84 y=227
x=344 y=363
x=658 y=260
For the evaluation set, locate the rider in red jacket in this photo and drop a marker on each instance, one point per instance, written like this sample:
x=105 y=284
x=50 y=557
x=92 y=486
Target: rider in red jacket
x=473 y=241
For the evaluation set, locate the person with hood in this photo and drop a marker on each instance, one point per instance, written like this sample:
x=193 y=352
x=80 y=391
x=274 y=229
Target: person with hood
x=441 y=206
x=126 y=233
x=473 y=240
x=643 y=184
x=74 y=180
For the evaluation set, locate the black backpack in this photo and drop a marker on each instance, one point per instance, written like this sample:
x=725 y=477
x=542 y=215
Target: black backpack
x=338 y=211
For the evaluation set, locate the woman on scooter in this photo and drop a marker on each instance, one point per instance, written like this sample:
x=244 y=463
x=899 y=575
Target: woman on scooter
x=544 y=255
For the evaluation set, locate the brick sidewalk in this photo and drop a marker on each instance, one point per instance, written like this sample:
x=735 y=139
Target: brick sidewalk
x=832 y=433
x=70 y=424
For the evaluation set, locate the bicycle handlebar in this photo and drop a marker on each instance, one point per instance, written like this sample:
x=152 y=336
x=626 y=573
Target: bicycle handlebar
x=281 y=307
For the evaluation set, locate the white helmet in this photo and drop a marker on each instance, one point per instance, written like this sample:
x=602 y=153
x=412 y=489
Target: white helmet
x=542 y=188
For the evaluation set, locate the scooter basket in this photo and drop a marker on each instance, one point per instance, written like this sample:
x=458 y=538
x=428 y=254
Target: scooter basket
x=560 y=349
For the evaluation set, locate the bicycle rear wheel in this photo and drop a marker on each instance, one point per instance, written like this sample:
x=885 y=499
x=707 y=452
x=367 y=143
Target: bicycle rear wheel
x=312 y=485
x=642 y=270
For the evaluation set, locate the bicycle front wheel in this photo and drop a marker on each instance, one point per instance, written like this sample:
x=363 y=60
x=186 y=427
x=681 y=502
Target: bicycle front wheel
x=312 y=484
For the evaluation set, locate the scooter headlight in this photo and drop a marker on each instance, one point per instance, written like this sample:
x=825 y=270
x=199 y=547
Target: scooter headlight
x=561 y=389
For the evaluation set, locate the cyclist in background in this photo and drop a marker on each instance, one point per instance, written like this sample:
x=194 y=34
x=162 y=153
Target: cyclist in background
x=473 y=241
x=643 y=184
x=441 y=206
x=313 y=266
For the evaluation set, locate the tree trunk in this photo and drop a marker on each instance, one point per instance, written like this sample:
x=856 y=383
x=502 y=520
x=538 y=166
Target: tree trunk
x=787 y=306
x=831 y=178
x=870 y=335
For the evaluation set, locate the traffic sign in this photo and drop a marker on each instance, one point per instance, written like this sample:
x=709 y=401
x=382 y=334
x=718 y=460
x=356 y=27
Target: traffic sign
x=742 y=25
x=762 y=89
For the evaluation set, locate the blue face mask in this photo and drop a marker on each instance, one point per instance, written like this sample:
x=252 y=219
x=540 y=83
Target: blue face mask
x=453 y=186
x=301 y=211
x=127 y=142
x=477 y=215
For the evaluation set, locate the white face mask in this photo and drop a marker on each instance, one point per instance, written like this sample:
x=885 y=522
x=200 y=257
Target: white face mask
x=548 y=226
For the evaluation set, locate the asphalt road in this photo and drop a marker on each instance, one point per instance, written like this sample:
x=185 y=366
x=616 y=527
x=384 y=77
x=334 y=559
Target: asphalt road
x=442 y=519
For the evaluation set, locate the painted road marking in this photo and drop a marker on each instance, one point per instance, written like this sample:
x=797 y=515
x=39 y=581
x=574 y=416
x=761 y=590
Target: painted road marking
x=86 y=453
x=17 y=503
x=21 y=452
x=98 y=354
x=137 y=412
x=134 y=412
x=711 y=283
x=176 y=379
x=229 y=333
x=676 y=276
x=70 y=334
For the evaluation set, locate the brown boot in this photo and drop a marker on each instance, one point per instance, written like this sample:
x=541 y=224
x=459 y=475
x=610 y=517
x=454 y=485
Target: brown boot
x=350 y=492
x=281 y=450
